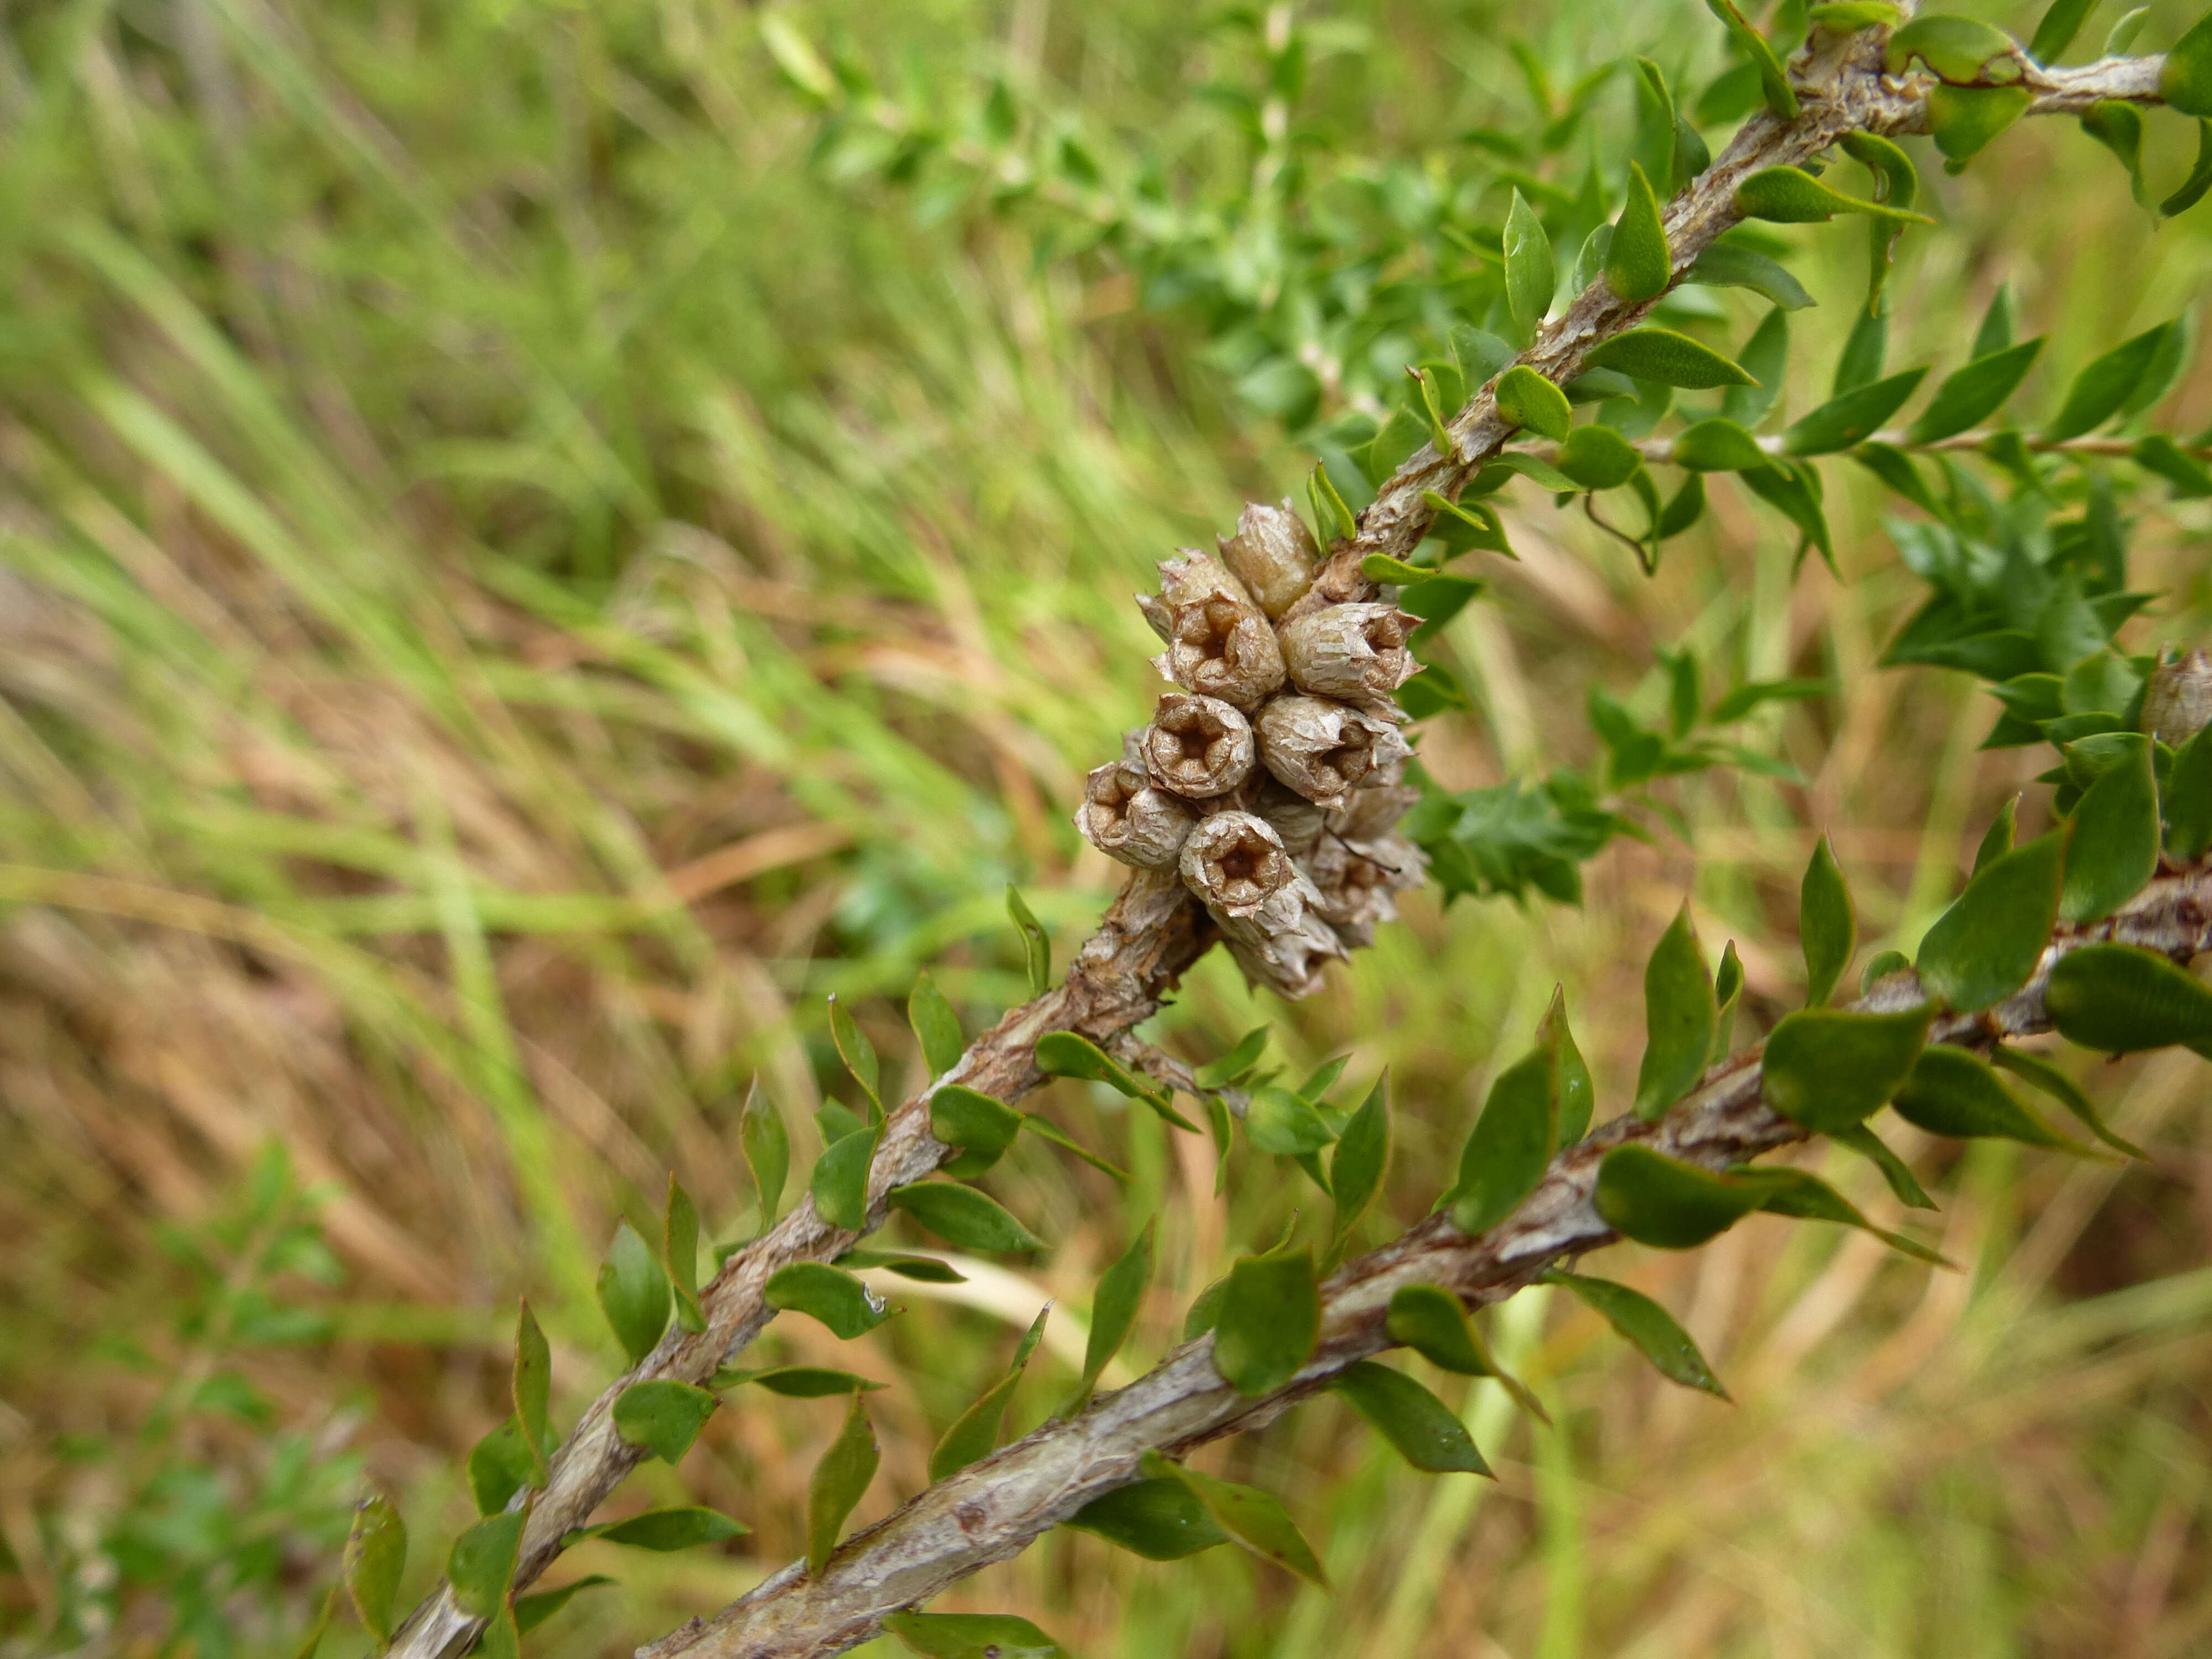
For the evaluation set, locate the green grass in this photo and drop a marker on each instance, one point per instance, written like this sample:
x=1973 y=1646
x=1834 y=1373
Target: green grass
x=463 y=470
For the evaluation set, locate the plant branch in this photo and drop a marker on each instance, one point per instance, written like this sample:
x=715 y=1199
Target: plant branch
x=995 y=1508
x=1775 y=444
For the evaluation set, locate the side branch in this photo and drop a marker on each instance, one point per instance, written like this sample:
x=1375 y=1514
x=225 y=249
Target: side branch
x=995 y=1508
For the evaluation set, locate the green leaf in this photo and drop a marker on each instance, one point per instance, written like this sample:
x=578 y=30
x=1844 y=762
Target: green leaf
x=2039 y=1073
x=2192 y=188
x=1853 y=418
x=1070 y=1054
x=795 y=1382
x=663 y=1416
x=859 y=1055
x=1716 y=445
x=1429 y=1320
x=1638 y=265
x=2184 y=80
x=1791 y=195
x=633 y=1293
x=797 y=60
x=1756 y=694
x=1865 y=349
x=1115 y=1309
x=1036 y=948
x=2156 y=453
x=963 y=1117
x=2060 y=24
x=1808 y=1198
x=973 y=1434
x=1684 y=508
x=840 y=1181
x=1285 y=1123
x=1045 y=1130
x=1953 y=48
x=1826 y=926
x=1774 y=84
x=840 y=1301
x=1160 y=1519
x=1964 y=120
x=311 y=1642
x=1669 y=358
x=1660 y=1200
x=1598 y=458
x=1649 y=1328
x=1362 y=1158
x=2118 y=127
x=768 y=1150
x=840 y=1481
x=1205 y=1308
x=1849 y=16
x=1995 y=333
x=499 y=1467
x=962 y=1216
x=1826 y=1068
x=1419 y=1424
x=1767 y=357
x=481 y=1563
x=2189 y=799
x=1501 y=468
x=679 y=1255
x=1571 y=1076
x=936 y=1027
x=1680 y=1011
x=2100 y=389
x=1793 y=487
x=1526 y=399
x=1254 y=1518
x=2114 y=848
x=972 y=1636
x=1512 y=1141
x=1894 y=1169
x=2122 y=999
x=1269 y=1319
x=1728 y=265
x=666 y=1531
x=1728 y=990
x=532 y=1611
x=532 y=1388
x=1531 y=274
x=1951 y=1092
x=1986 y=946
x=1329 y=509
x=1884 y=963
x=375 y=1556
x=1997 y=839
x=1238 y=1063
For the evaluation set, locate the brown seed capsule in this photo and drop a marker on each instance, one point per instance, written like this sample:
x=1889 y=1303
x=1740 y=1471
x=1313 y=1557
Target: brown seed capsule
x=1218 y=644
x=1125 y=817
x=1287 y=957
x=1236 y=864
x=1295 y=818
x=1322 y=748
x=1273 y=554
x=1373 y=807
x=1155 y=609
x=2177 y=702
x=1358 y=880
x=1354 y=651
x=1198 y=747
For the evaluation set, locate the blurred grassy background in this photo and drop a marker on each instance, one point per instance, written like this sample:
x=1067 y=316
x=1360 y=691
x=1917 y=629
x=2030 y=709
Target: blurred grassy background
x=512 y=587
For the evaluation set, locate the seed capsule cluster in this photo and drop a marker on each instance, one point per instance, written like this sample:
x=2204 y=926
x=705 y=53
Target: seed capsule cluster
x=1272 y=781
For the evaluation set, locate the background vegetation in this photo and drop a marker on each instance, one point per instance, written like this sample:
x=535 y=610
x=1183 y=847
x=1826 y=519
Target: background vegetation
x=515 y=581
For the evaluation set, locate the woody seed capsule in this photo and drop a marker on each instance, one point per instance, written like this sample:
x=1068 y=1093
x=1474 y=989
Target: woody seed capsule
x=1236 y=864
x=1125 y=817
x=1198 y=747
x=1373 y=808
x=2177 y=702
x=1273 y=554
x=1354 y=651
x=1322 y=748
x=1356 y=882
x=1218 y=643
x=1293 y=816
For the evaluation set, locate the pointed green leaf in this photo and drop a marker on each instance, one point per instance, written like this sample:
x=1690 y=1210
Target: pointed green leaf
x=1791 y=195
x=1849 y=16
x=2100 y=389
x=1883 y=965
x=840 y=1481
x=1045 y=1130
x=500 y=1465
x=2118 y=127
x=768 y=1150
x=1827 y=1068
x=1269 y=1319
x=1238 y=1063
x=1728 y=991
x=1160 y=1519
x=2122 y=999
x=1036 y=947
x=1964 y=120
x=1808 y=1198
x=840 y=1180
x=665 y=1531
x=1526 y=399
x=1637 y=266
x=679 y=1255
x=1530 y=272
x=2184 y=80
x=1576 y=1095
x=1955 y=48
x=1070 y=1054
x=1286 y=1124
x=2114 y=848
x=1985 y=946
x=1684 y=508
x=663 y=1416
x=1995 y=333
x=1717 y=445
x=1793 y=487
x=1598 y=458
x=1866 y=348
x=1727 y=264
x=1671 y=359
x=1851 y=418
x=2188 y=799
x=1429 y=1320
x=2039 y=1073
x=1649 y=1328
x=633 y=1293
x=1827 y=928
x=972 y=1636
x=1774 y=84
x=795 y=1382
x=1894 y=1169
x=1254 y=1518
x=483 y=1562
x=375 y=1556
x=840 y=1301
x=2060 y=24
x=1660 y=1200
x=962 y=1216
x=924 y=1269
x=859 y=1055
x=963 y=1117
x=1205 y=1308
x=2191 y=189
x=1954 y=1093
x=1997 y=840
x=532 y=1388
x=1765 y=356
x=936 y=1027
x=1679 y=1014
x=1419 y=1424
x=973 y=1434
x=1512 y=1141
x=1362 y=1158
x=532 y=1611
x=1115 y=1309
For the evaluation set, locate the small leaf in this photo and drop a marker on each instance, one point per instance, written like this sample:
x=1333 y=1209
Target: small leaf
x=840 y=1301
x=1598 y=458
x=1512 y=1141
x=1765 y=356
x=1526 y=399
x=2100 y=389
x=1851 y=418
x=1975 y=393
x=2184 y=80
x=2114 y=848
x=1660 y=1200
x=1826 y=1068
x=1530 y=272
x=665 y=1531
x=1429 y=1320
x=532 y=1611
x=840 y=1481
x=499 y=1467
x=1362 y=1158
x=1268 y=1320
x=924 y=1269
x=1756 y=694
x=2118 y=127
x=1684 y=508
x=2188 y=799
x=679 y=1255
x=1899 y=1174
x=1827 y=927
x=1951 y=1092
x=1045 y=1130
x=1997 y=840
x=859 y=1055
x=1849 y=16
x=1728 y=991
x=663 y=1416
x=963 y=1117
x=1774 y=84
x=375 y=1556
x=1883 y=965
x=1036 y=948
x=1115 y=1309
x=768 y=1150
x=1419 y=1424
x=1286 y=1124
x=1808 y=1198
x=1679 y=1015
x=972 y=1636
x=1793 y=487
x=532 y=1388
x=1160 y=1519
x=1964 y=120
x=1716 y=445
x=1254 y=1518
x=2039 y=1073
x=2060 y=24
x=1576 y=1095
x=1671 y=359
x=310 y=1644
x=1237 y=1064
x=1637 y=266
x=1649 y=1328
x=1953 y=48
x=962 y=1216
x=1986 y=946
x=483 y=1562
x=973 y=1434
x=1727 y=264
x=840 y=1181
x=1791 y=195
x=1330 y=513
x=2192 y=188
x=2122 y=999
x=936 y=1027
x=796 y=1381
x=634 y=1293
x=1070 y=1054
